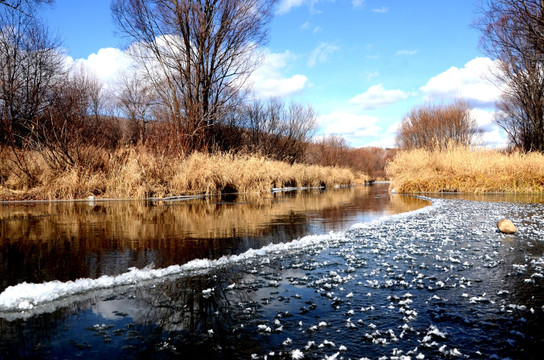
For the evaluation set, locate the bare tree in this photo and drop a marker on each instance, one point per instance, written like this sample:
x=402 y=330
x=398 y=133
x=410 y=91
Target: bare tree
x=431 y=126
x=197 y=54
x=138 y=102
x=30 y=65
x=278 y=130
x=513 y=32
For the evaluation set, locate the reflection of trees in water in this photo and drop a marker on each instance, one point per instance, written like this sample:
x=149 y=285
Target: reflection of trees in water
x=65 y=241
x=178 y=315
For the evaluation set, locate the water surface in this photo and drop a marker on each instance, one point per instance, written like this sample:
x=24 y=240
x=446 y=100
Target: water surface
x=438 y=282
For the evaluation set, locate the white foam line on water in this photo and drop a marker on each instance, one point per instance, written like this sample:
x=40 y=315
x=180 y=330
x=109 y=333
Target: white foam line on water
x=26 y=296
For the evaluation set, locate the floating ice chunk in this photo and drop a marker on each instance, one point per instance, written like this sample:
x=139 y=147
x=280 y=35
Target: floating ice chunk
x=287 y=342
x=342 y=348
x=207 y=292
x=455 y=353
x=264 y=328
x=297 y=354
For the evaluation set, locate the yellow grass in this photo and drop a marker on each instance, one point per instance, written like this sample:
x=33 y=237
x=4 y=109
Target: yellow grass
x=469 y=170
x=136 y=172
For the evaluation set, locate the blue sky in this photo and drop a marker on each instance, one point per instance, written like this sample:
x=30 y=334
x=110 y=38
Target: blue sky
x=362 y=64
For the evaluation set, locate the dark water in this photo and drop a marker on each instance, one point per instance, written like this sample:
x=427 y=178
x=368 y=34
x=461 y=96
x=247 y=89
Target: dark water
x=439 y=282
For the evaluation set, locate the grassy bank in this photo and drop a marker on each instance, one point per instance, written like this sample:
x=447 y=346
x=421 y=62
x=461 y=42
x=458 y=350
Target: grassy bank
x=462 y=169
x=136 y=172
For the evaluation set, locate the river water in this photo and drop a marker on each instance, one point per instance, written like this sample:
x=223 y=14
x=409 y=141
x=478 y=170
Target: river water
x=341 y=274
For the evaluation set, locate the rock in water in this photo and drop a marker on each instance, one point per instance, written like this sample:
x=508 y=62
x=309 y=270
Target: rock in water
x=506 y=226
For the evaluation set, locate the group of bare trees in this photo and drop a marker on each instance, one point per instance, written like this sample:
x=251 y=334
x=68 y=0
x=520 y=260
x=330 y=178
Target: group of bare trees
x=186 y=91
x=434 y=126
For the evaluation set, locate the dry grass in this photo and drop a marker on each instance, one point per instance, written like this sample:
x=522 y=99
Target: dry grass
x=136 y=172
x=465 y=169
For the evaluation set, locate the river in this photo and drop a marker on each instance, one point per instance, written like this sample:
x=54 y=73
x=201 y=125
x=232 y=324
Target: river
x=344 y=273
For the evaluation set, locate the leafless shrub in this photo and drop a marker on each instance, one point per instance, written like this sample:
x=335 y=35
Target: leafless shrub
x=334 y=151
x=278 y=130
x=436 y=125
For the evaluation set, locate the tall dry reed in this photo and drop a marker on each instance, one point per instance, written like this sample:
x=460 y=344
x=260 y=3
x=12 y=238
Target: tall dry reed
x=466 y=169
x=137 y=172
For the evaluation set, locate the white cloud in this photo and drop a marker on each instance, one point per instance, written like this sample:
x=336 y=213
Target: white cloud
x=107 y=64
x=495 y=139
x=269 y=81
x=381 y=10
x=321 y=53
x=484 y=118
x=286 y=5
x=469 y=82
x=377 y=96
x=350 y=126
x=406 y=52
x=492 y=135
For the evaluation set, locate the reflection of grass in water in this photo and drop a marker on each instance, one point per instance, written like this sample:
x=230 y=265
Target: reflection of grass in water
x=138 y=224
x=402 y=203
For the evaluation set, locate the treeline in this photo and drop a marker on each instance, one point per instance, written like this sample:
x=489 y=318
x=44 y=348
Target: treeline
x=334 y=151
x=173 y=102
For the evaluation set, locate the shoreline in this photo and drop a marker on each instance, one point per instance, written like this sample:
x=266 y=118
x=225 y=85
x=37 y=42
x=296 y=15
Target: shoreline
x=466 y=170
x=136 y=172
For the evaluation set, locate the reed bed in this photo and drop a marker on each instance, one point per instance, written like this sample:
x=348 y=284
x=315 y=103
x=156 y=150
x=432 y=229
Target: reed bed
x=137 y=172
x=468 y=170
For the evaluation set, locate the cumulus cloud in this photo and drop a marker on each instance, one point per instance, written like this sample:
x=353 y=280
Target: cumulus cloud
x=321 y=53
x=377 y=96
x=470 y=82
x=107 y=64
x=492 y=136
x=269 y=79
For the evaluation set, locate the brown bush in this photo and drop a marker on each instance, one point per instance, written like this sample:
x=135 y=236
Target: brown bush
x=437 y=125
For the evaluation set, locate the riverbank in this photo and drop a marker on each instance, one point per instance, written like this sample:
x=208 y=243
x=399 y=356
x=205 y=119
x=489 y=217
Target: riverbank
x=137 y=172
x=464 y=169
